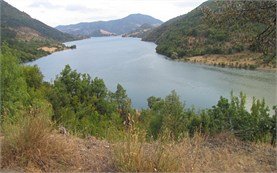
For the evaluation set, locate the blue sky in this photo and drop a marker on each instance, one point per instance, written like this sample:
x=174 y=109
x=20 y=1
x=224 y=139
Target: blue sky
x=63 y=12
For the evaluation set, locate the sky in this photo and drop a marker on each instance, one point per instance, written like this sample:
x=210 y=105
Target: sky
x=64 y=12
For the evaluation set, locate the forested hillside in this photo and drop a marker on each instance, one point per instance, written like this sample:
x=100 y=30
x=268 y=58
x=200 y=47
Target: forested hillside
x=26 y=35
x=204 y=32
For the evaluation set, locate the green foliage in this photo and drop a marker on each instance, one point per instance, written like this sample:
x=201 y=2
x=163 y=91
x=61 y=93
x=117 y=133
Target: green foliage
x=122 y=101
x=257 y=18
x=26 y=51
x=33 y=76
x=13 y=18
x=86 y=106
x=14 y=93
x=26 y=35
x=169 y=115
x=195 y=33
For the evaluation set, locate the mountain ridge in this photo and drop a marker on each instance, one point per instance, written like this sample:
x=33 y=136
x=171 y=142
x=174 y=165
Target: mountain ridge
x=117 y=26
x=11 y=17
x=27 y=35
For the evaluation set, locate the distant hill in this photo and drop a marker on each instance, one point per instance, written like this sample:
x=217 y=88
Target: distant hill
x=102 y=33
x=140 y=32
x=26 y=35
x=119 y=26
x=189 y=35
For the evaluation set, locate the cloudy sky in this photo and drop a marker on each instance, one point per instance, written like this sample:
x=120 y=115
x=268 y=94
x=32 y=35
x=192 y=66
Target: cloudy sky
x=63 y=12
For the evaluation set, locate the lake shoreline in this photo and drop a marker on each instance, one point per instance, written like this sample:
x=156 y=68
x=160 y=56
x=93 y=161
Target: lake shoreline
x=212 y=60
x=238 y=61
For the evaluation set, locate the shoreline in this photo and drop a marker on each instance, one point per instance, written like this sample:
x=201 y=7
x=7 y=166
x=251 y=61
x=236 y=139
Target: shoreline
x=253 y=63
x=55 y=47
x=246 y=61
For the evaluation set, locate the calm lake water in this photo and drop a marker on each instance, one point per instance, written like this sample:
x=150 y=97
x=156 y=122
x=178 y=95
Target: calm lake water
x=143 y=73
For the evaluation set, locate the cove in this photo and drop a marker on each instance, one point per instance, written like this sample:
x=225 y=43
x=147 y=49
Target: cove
x=144 y=73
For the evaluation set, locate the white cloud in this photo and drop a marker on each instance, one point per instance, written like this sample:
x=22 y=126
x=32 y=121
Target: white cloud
x=43 y=4
x=63 y=12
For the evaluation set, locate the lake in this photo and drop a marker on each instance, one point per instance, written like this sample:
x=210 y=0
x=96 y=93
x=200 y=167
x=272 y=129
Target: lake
x=144 y=73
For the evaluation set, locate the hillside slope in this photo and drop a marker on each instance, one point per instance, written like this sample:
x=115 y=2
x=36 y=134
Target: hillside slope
x=16 y=22
x=119 y=26
x=190 y=35
x=27 y=35
x=141 y=31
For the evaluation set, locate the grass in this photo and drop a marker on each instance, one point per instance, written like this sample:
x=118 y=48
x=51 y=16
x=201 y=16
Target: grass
x=134 y=154
x=221 y=153
x=30 y=145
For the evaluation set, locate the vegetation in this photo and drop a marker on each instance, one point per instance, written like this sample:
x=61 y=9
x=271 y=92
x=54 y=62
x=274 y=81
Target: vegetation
x=85 y=106
x=13 y=18
x=199 y=32
x=32 y=110
x=200 y=153
x=261 y=12
x=27 y=35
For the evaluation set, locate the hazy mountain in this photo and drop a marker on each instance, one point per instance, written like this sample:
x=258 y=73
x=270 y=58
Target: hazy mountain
x=102 y=33
x=119 y=26
x=140 y=32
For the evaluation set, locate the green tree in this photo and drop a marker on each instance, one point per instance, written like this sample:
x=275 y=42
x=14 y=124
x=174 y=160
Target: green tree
x=122 y=101
x=244 y=14
x=14 y=94
x=33 y=76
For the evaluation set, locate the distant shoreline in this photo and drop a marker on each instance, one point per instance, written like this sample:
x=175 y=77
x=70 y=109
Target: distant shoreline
x=246 y=61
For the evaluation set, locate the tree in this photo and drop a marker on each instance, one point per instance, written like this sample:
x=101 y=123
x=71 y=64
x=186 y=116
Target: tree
x=14 y=92
x=84 y=105
x=122 y=101
x=33 y=76
x=245 y=14
x=152 y=101
x=167 y=115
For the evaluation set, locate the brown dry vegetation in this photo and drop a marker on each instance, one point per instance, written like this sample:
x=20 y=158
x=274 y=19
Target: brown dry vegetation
x=32 y=145
x=238 y=60
x=222 y=153
x=53 y=48
x=48 y=49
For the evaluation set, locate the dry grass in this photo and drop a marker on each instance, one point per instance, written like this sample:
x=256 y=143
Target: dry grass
x=136 y=155
x=223 y=153
x=29 y=145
